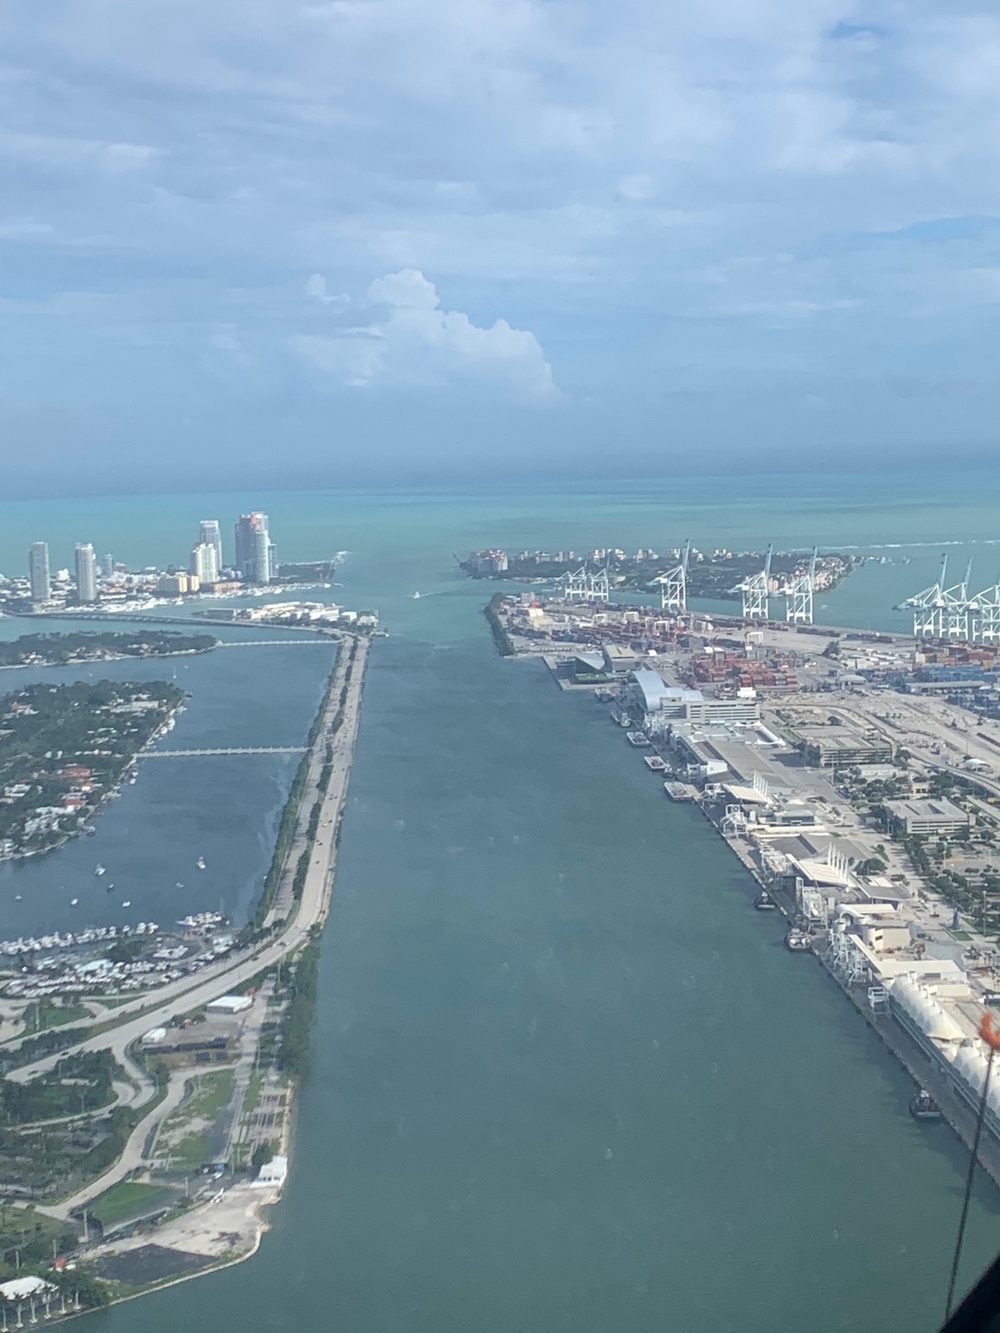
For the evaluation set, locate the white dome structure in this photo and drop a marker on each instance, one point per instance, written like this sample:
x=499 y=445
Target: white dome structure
x=926 y=1015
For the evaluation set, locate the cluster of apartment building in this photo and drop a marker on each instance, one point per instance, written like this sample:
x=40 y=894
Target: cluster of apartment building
x=102 y=579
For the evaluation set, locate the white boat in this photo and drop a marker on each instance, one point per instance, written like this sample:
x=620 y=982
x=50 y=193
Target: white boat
x=18 y=897
x=99 y=869
x=73 y=902
x=415 y=597
x=127 y=902
x=200 y=863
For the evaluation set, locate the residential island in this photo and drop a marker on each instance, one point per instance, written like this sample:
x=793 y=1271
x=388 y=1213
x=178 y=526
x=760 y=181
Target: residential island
x=73 y=649
x=65 y=749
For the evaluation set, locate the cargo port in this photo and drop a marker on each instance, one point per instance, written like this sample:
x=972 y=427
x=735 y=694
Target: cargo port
x=855 y=774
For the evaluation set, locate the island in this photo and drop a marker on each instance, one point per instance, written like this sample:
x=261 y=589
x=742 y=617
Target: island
x=65 y=649
x=65 y=749
x=710 y=574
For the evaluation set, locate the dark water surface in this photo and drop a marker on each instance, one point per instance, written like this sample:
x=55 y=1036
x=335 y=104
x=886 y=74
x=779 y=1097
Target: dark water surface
x=565 y=1077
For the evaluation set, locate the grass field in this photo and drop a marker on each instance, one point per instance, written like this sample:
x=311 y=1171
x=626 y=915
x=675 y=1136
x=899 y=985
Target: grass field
x=201 y=1110
x=49 y=1013
x=127 y=1199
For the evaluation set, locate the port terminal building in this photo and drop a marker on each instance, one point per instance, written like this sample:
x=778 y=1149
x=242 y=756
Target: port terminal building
x=938 y=816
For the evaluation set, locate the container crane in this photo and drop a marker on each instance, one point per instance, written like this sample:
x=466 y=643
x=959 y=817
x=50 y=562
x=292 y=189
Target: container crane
x=799 y=594
x=755 y=590
x=673 y=584
x=928 y=607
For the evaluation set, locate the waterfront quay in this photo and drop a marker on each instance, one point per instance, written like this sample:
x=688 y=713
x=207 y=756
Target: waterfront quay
x=854 y=775
x=194 y=1134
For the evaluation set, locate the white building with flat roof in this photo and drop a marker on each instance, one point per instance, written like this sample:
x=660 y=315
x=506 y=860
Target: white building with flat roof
x=923 y=817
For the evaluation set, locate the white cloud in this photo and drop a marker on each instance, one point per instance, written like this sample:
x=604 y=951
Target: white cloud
x=415 y=342
x=316 y=288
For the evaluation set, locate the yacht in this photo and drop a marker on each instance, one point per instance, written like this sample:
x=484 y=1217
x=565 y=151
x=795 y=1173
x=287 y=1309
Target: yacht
x=127 y=902
x=73 y=902
x=200 y=863
x=99 y=869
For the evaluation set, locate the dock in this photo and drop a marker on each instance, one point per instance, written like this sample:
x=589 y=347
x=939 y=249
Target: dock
x=681 y=791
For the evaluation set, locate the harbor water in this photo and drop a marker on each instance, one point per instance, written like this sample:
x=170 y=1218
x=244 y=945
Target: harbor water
x=564 y=1076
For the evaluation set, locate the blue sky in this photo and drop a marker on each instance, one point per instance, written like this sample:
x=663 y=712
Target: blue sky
x=399 y=239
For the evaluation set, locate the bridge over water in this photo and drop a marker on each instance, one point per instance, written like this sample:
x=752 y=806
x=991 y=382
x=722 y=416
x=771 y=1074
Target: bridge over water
x=228 y=749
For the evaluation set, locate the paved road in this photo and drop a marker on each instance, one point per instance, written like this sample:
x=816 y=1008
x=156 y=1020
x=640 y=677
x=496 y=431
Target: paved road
x=342 y=746
x=312 y=910
x=132 y=1156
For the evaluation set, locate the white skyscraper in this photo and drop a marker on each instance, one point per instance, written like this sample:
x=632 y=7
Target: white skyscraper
x=205 y=562
x=86 y=573
x=211 y=534
x=38 y=572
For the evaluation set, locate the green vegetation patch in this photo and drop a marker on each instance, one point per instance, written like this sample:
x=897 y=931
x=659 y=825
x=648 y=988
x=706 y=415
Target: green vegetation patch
x=52 y=1013
x=78 y=1084
x=503 y=641
x=200 y=1111
x=129 y=1198
x=293 y=1055
x=26 y=1238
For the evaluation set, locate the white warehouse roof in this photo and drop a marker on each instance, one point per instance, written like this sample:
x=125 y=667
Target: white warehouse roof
x=229 y=1004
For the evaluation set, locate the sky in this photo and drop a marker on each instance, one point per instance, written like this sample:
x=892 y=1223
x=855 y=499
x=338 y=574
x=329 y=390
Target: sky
x=401 y=240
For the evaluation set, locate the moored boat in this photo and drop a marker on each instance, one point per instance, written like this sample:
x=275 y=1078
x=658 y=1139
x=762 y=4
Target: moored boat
x=799 y=941
x=924 y=1107
x=764 y=902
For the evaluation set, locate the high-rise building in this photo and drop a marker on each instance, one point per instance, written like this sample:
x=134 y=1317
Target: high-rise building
x=205 y=562
x=108 y=566
x=211 y=534
x=253 y=548
x=86 y=573
x=38 y=572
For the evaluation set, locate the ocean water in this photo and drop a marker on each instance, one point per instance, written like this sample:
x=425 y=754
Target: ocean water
x=564 y=1076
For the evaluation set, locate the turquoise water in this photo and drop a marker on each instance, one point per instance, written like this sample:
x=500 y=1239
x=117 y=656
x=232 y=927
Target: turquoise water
x=564 y=1077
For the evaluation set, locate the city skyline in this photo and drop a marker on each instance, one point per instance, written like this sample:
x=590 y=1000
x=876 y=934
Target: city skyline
x=205 y=562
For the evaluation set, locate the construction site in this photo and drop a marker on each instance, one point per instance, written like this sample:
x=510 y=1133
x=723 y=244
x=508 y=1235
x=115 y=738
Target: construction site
x=856 y=774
